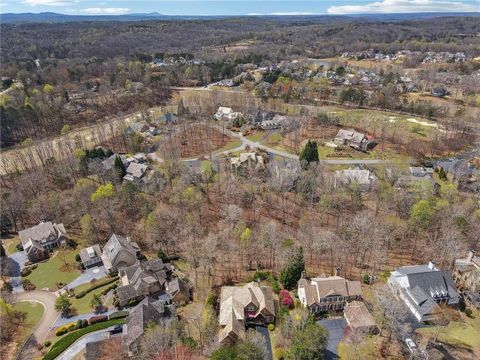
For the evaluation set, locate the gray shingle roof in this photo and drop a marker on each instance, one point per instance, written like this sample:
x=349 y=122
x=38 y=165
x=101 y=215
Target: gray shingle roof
x=41 y=232
x=117 y=243
x=86 y=256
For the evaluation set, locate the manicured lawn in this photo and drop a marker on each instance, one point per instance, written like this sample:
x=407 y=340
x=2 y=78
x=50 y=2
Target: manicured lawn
x=10 y=245
x=52 y=271
x=230 y=145
x=82 y=305
x=34 y=314
x=256 y=136
x=465 y=332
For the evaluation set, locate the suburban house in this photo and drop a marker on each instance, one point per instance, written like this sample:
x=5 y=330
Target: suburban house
x=359 y=318
x=241 y=306
x=466 y=272
x=135 y=172
x=150 y=278
x=364 y=178
x=332 y=293
x=119 y=252
x=138 y=127
x=91 y=256
x=354 y=139
x=148 y=311
x=40 y=239
x=247 y=161
x=226 y=113
x=422 y=288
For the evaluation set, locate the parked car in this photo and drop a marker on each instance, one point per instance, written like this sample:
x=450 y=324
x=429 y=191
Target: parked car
x=117 y=329
x=411 y=345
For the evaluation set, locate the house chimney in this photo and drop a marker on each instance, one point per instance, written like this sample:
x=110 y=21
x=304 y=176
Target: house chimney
x=337 y=270
x=471 y=254
x=303 y=276
x=431 y=265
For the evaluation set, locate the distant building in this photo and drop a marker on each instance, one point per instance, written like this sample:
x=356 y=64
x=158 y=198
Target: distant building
x=467 y=272
x=91 y=256
x=119 y=252
x=226 y=114
x=422 y=288
x=166 y=119
x=135 y=172
x=324 y=294
x=40 y=239
x=354 y=139
x=241 y=306
x=359 y=318
x=138 y=127
x=364 y=178
x=246 y=161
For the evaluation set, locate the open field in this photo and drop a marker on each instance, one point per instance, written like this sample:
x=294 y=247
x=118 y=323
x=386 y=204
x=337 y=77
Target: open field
x=53 y=271
x=10 y=244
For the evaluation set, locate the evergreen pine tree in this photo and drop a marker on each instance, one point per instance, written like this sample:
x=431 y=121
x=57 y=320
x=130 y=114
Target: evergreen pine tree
x=119 y=167
x=292 y=271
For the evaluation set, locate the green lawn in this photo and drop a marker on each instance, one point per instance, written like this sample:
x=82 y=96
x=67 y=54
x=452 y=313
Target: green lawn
x=34 y=314
x=465 y=332
x=48 y=273
x=256 y=136
x=82 y=305
x=10 y=245
x=230 y=145
x=273 y=139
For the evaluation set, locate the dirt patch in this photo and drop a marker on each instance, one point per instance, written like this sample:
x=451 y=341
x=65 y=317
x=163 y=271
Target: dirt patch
x=193 y=140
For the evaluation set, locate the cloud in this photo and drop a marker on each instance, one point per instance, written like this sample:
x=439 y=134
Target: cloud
x=49 y=2
x=405 y=6
x=106 y=11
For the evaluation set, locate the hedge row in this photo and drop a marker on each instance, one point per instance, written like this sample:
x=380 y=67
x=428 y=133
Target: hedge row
x=97 y=285
x=61 y=345
x=118 y=315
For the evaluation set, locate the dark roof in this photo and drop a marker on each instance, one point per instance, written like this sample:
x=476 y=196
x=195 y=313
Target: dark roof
x=147 y=310
x=433 y=282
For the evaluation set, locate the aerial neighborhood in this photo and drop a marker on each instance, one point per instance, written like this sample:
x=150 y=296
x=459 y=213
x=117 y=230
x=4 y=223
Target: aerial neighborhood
x=265 y=187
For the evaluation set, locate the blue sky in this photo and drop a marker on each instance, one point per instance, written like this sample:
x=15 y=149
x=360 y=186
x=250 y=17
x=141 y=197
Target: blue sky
x=239 y=7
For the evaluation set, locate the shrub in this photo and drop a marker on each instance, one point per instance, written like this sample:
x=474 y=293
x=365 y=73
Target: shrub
x=84 y=323
x=279 y=353
x=97 y=319
x=78 y=258
x=96 y=285
x=65 y=328
x=189 y=342
x=468 y=312
x=7 y=287
x=20 y=248
x=286 y=299
x=118 y=315
x=47 y=343
x=366 y=279
x=298 y=304
x=34 y=266
x=27 y=285
x=26 y=271
x=211 y=300
x=271 y=327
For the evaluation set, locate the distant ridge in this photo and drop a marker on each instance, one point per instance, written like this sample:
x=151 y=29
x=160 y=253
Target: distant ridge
x=52 y=17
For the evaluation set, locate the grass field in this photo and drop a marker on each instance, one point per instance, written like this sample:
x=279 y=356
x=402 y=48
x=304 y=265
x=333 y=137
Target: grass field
x=230 y=145
x=465 y=332
x=10 y=245
x=34 y=314
x=256 y=136
x=49 y=273
x=82 y=305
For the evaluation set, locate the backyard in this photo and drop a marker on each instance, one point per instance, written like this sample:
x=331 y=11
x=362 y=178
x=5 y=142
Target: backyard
x=61 y=267
x=82 y=305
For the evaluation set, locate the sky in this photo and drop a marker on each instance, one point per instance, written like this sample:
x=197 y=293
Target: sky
x=238 y=7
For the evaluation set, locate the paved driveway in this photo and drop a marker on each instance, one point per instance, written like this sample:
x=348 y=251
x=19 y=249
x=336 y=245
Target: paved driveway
x=87 y=276
x=16 y=262
x=80 y=344
x=263 y=331
x=335 y=329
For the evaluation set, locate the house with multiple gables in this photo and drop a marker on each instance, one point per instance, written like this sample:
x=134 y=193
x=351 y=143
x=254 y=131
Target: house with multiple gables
x=148 y=311
x=39 y=240
x=241 y=306
x=354 y=139
x=119 y=252
x=151 y=278
x=326 y=294
x=422 y=288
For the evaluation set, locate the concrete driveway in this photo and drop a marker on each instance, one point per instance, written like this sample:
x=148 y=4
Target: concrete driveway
x=80 y=344
x=16 y=262
x=88 y=275
x=335 y=329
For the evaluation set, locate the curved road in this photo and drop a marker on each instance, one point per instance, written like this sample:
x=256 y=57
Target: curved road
x=50 y=315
